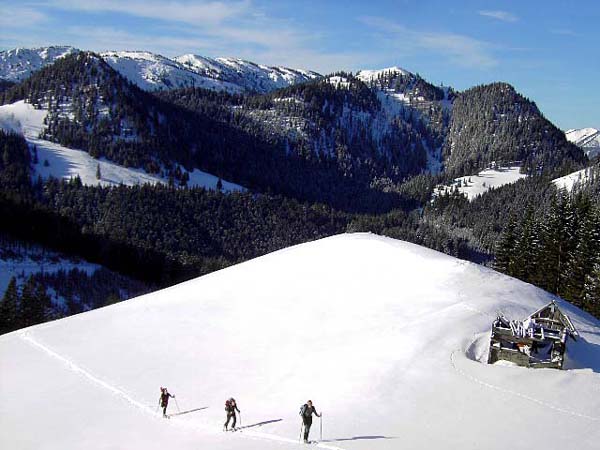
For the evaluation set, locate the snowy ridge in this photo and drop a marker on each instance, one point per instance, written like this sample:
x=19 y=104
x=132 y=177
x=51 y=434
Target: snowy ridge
x=371 y=75
x=152 y=72
x=586 y=138
x=55 y=160
x=19 y=63
x=388 y=367
x=248 y=75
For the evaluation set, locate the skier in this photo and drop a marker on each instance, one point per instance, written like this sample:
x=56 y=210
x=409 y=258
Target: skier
x=231 y=408
x=163 y=401
x=306 y=412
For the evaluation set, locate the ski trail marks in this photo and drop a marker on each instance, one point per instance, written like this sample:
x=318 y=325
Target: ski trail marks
x=26 y=336
x=516 y=394
x=77 y=369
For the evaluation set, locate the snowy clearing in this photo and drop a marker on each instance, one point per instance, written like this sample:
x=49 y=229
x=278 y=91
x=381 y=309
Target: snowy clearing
x=386 y=338
x=55 y=160
x=578 y=178
x=36 y=260
x=474 y=185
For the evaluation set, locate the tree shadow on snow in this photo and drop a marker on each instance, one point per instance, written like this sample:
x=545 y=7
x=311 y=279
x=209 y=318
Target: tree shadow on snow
x=358 y=438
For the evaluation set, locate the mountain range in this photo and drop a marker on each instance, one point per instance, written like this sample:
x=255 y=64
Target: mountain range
x=166 y=169
x=153 y=72
x=586 y=138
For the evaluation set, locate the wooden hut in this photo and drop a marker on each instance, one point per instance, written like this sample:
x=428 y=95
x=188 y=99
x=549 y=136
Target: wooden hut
x=537 y=341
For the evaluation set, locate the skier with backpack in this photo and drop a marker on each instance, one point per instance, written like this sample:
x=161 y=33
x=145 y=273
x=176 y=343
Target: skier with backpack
x=230 y=409
x=306 y=411
x=163 y=401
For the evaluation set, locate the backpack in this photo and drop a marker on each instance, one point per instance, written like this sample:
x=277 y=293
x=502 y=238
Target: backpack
x=303 y=409
x=227 y=406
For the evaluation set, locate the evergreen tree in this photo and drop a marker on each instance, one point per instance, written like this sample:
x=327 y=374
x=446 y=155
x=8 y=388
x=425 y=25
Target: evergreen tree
x=557 y=241
x=525 y=261
x=584 y=254
x=34 y=302
x=9 y=308
x=506 y=248
x=591 y=301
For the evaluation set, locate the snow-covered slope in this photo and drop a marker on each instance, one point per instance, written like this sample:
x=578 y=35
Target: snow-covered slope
x=19 y=63
x=61 y=162
x=577 y=178
x=384 y=336
x=153 y=72
x=368 y=75
x=30 y=259
x=474 y=185
x=586 y=138
x=248 y=75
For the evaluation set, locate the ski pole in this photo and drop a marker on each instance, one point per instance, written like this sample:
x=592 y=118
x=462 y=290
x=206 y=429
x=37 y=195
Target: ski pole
x=321 y=426
x=300 y=437
x=240 y=414
x=177 y=404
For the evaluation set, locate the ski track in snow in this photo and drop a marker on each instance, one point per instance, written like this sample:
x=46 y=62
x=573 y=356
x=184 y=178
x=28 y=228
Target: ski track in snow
x=26 y=336
x=514 y=393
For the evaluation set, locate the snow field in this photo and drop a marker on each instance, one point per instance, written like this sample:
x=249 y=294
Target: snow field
x=568 y=182
x=474 y=185
x=55 y=160
x=384 y=336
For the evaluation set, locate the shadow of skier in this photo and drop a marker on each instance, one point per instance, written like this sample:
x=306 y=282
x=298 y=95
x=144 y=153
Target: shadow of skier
x=259 y=424
x=358 y=438
x=188 y=411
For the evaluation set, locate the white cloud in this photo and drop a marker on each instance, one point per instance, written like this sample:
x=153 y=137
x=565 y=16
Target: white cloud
x=499 y=15
x=190 y=12
x=15 y=17
x=459 y=49
x=565 y=32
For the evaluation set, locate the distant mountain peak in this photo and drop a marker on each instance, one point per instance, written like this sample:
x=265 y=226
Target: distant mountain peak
x=367 y=75
x=153 y=72
x=586 y=138
x=19 y=63
x=247 y=74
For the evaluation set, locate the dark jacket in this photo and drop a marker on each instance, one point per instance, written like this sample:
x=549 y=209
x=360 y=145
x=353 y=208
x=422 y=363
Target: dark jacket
x=307 y=411
x=230 y=407
x=164 y=398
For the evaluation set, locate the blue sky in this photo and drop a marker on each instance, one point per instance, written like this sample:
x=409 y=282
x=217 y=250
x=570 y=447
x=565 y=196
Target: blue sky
x=548 y=49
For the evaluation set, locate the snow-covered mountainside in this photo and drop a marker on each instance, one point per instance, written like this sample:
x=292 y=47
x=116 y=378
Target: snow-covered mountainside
x=474 y=185
x=153 y=72
x=35 y=259
x=20 y=63
x=574 y=179
x=586 y=138
x=369 y=75
x=387 y=338
x=61 y=162
x=248 y=75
